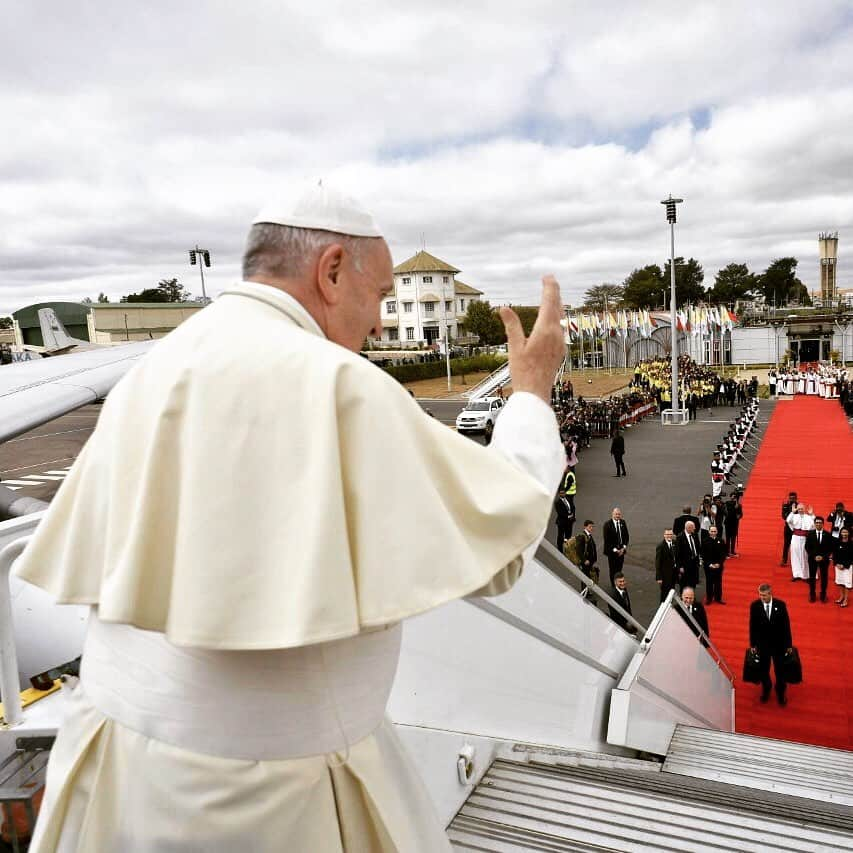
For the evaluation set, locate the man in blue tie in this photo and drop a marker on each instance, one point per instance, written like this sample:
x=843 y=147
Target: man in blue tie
x=770 y=638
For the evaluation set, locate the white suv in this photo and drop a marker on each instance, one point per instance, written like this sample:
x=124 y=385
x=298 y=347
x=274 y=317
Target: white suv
x=479 y=415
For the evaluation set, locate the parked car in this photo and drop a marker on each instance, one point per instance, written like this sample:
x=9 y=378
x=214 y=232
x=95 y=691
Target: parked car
x=480 y=415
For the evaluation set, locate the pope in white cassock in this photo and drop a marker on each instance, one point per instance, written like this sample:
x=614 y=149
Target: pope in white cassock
x=241 y=523
x=800 y=523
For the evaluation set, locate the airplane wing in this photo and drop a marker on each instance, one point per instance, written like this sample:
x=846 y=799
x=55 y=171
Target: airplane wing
x=34 y=392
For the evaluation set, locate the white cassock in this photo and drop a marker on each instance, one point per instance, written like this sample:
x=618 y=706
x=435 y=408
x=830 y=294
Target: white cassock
x=254 y=515
x=801 y=383
x=800 y=524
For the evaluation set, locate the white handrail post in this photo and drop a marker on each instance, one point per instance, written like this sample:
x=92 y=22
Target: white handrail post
x=10 y=685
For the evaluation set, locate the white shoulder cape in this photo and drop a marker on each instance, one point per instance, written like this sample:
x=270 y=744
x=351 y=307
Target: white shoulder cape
x=252 y=485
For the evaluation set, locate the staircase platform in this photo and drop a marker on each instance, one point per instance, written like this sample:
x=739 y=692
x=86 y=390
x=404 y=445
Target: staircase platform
x=546 y=807
x=798 y=769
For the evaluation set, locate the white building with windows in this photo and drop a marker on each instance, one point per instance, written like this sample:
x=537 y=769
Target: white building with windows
x=427 y=295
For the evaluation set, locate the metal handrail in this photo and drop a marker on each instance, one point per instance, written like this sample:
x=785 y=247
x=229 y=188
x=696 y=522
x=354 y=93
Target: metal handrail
x=10 y=685
x=565 y=562
x=670 y=600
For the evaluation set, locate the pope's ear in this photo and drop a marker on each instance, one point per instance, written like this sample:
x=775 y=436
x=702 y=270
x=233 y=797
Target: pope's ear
x=329 y=273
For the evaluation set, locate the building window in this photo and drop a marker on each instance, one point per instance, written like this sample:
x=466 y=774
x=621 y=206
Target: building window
x=429 y=307
x=427 y=279
x=410 y=333
x=407 y=279
x=448 y=306
x=407 y=307
x=391 y=306
x=445 y=279
x=393 y=334
x=461 y=304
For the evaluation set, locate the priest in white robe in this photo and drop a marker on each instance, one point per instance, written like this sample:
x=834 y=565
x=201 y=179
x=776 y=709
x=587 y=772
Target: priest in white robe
x=800 y=522
x=257 y=510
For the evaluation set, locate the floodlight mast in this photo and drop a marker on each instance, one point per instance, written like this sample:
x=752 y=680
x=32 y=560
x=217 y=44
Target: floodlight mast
x=203 y=256
x=670 y=203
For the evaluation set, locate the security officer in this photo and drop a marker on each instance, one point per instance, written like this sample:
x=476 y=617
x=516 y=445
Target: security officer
x=564 y=506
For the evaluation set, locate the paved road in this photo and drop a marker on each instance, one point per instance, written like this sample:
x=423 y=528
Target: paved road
x=35 y=464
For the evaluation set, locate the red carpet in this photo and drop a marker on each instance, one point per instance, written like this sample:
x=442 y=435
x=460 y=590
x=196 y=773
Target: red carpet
x=807 y=448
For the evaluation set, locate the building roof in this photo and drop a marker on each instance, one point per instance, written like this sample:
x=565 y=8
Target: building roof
x=429 y=297
x=466 y=289
x=424 y=262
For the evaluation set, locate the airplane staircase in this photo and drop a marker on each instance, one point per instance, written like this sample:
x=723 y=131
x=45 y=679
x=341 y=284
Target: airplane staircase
x=495 y=380
x=546 y=803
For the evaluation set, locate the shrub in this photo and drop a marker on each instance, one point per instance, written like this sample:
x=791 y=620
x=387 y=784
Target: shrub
x=435 y=369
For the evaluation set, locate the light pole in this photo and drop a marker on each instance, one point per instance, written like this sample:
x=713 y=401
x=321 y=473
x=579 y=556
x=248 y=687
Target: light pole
x=203 y=256
x=446 y=335
x=670 y=203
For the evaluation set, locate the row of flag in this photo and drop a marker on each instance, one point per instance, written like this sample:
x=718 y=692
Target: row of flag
x=695 y=320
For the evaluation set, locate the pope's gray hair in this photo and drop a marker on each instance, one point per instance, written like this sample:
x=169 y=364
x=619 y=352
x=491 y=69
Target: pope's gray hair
x=282 y=251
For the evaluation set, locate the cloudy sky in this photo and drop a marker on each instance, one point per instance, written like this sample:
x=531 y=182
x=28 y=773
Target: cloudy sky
x=517 y=138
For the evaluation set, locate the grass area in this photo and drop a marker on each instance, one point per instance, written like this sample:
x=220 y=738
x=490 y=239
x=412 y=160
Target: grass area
x=587 y=383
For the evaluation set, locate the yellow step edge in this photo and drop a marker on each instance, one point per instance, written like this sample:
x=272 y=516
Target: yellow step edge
x=31 y=695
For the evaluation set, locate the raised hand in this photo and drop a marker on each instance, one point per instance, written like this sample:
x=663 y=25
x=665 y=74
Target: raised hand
x=534 y=361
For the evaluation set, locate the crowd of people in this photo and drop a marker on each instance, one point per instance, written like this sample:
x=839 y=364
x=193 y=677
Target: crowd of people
x=818 y=546
x=700 y=386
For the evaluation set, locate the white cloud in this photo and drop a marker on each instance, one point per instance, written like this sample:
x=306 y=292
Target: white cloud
x=539 y=136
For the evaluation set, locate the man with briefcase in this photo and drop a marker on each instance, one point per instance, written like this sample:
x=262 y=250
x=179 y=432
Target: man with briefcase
x=770 y=638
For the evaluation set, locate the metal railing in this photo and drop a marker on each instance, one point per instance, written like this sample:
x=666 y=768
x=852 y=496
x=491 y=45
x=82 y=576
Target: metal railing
x=565 y=563
x=10 y=685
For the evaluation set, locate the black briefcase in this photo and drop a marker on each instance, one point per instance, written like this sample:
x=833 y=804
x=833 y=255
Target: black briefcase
x=751 y=667
x=792 y=667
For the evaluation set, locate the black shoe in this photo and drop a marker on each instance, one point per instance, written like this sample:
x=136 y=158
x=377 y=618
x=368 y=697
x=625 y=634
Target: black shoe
x=720 y=601
x=782 y=701
x=764 y=697
x=812 y=598
x=823 y=599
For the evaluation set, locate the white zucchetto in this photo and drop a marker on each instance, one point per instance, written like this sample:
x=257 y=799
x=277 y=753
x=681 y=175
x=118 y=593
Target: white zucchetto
x=319 y=207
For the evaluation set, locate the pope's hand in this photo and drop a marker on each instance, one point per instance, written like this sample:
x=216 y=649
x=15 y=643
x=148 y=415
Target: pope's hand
x=534 y=361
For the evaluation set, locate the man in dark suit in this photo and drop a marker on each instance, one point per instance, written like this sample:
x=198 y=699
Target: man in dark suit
x=666 y=573
x=687 y=556
x=621 y=597
x=588 y=557
x=714 y=553
x=679 y=522
x=770 y=637
x=695 y=609
x=819 y=547
x=615 y=533
x=788 y=507
x=617 y=451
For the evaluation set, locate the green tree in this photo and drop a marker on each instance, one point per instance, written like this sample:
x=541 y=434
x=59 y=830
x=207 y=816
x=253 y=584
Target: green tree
x=86 y=300
x=689 y=276
x=168 y=290
x=733 y=282
x=527 y=314
x=598 y=295
x=481 y=319
x=645 y=288
x=5 y=322
x=779 y=283
x=103 y=298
